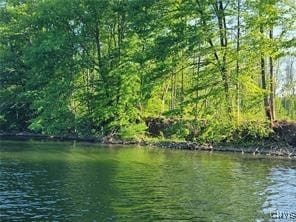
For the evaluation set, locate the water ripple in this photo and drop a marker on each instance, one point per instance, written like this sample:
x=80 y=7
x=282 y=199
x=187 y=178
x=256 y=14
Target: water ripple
x=58 y=182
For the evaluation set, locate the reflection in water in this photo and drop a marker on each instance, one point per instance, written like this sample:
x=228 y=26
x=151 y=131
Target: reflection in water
x=56 y=181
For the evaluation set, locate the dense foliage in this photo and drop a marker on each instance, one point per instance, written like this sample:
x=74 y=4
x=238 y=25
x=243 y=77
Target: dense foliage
x=103 y=67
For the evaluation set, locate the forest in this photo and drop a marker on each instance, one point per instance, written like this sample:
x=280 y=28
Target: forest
x=204 y=70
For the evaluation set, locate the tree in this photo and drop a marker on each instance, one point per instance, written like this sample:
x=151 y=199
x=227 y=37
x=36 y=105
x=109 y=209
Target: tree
x=102 y=67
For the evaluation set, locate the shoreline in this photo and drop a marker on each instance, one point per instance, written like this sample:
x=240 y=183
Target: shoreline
x=262 y=147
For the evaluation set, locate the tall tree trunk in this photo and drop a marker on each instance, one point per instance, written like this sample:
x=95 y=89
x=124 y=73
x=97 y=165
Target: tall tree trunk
x=292 y=78
x=172 y=93
x=220 y=11
x=237 y=63
x=101 y=70
x=197 y=83
x=120 y=37
x=271 y=82
x=221 y=63
x=98 y=45
x=264 y=84
x=175 y=90
x=182 y=91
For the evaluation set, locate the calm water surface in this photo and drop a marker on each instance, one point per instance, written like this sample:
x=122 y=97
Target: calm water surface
x=67 y=182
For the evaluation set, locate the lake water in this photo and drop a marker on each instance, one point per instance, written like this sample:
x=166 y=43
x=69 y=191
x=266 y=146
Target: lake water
x=83 y=182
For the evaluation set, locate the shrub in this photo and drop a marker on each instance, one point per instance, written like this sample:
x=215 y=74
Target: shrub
x=133 y=131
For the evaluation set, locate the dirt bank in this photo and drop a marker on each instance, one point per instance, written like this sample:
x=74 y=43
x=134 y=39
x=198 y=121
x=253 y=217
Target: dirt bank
x=280 y=143
x=285 y=131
